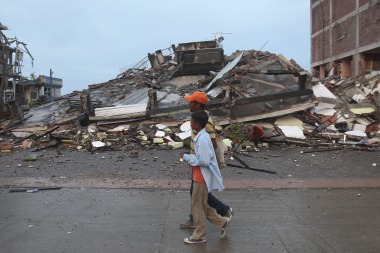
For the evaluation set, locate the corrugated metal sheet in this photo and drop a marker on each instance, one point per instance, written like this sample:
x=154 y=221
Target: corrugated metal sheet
x=139 y=96
x=227 y=68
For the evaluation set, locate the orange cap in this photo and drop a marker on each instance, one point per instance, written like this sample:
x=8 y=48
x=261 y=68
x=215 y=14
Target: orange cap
x=198 y=96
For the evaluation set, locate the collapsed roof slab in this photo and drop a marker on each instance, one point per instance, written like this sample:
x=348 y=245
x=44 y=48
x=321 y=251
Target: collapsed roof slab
x=164 y=112
x=255 y=108
x=253 y=105
x=226 y=112
x=265 y=115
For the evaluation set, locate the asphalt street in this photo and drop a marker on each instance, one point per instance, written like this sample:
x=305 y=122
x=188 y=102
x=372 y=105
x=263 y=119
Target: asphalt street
x=147 y=220
x=112 y=202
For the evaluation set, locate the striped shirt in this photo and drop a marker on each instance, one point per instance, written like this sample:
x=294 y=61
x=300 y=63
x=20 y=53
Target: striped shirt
x=210 y=129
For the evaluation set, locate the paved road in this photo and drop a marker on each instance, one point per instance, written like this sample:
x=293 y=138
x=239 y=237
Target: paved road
x=111 y=202
x=146 y=220
x=162 y=169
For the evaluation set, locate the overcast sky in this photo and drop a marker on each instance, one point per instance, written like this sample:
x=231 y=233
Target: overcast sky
x=86 y=42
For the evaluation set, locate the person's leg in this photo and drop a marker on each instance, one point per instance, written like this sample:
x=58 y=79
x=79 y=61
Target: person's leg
x=189 y=223
x=198 y=209
x=218 y=205
x=221 y=208
x=191 y=187
x=217 y=220
x=191 y=192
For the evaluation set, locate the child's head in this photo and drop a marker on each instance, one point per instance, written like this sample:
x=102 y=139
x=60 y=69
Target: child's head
x=199 y=120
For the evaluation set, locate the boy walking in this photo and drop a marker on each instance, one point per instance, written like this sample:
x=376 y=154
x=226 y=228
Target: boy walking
x=197 y=102
x=206 y=177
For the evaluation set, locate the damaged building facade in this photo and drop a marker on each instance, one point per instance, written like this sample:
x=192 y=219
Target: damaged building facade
x=16 y=90
x=345 y=37
x=12 y=52
x=41 y=89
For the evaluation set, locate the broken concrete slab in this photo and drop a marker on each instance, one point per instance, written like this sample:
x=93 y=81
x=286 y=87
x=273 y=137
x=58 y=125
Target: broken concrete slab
x=292 y=132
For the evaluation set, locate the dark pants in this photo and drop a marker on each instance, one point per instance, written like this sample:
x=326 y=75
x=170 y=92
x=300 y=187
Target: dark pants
x=213 y=202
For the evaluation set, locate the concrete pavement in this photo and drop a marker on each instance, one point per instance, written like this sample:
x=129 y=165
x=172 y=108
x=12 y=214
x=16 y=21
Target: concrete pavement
x=110 y=202
x=147 y=220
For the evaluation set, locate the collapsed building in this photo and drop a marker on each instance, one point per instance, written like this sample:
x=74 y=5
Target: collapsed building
x=17 y=91
x=144 y=106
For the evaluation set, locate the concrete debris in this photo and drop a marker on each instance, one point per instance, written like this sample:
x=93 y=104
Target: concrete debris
x=144 y=107
x=292 y=132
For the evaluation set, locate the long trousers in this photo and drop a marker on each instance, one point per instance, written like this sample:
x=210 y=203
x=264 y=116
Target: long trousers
x=202 y=211
x=213 y=202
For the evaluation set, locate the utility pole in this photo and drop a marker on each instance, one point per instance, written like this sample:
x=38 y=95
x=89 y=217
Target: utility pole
x=51 y=82
x=4 y=76
x=4 y=64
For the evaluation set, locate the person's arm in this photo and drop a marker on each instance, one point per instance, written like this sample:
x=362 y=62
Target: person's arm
x=214 y=143
x=211 y=131
x=203 y=155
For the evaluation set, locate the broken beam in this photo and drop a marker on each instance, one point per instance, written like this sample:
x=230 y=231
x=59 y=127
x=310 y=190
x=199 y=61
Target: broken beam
x=183 y=108
x=270 y=72
x=246 y=166
x=293 y=108
x=47 y=132
x=270 y=97
x=34 y=189
x=243 y=167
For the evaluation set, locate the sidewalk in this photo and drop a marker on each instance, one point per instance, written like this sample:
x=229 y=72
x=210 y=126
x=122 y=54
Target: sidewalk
x=147 y=220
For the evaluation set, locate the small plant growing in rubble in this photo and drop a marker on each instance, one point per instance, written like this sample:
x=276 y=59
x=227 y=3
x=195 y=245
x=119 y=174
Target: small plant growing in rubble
x=236 y=132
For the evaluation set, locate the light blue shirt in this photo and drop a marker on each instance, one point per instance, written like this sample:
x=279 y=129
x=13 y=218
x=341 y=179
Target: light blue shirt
x=205 y=158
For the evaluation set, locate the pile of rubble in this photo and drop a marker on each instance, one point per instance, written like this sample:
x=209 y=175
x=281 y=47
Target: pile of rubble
x=144 y=107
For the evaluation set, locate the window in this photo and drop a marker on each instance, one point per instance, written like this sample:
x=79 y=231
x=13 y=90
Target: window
x=33 y=95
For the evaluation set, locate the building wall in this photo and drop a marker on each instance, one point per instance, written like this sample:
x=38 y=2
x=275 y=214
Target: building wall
x=362 y=2
x=369 y=25
x=321 y=47
x=320 y=16
x=343 y=36
x=345 y=32
x=341 y=8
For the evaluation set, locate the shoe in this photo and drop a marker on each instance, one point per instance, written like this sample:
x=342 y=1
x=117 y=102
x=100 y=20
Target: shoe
x=187 y=224
x=223 y=229
x=191 y=240
x=223 y=233
x=230 y=213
